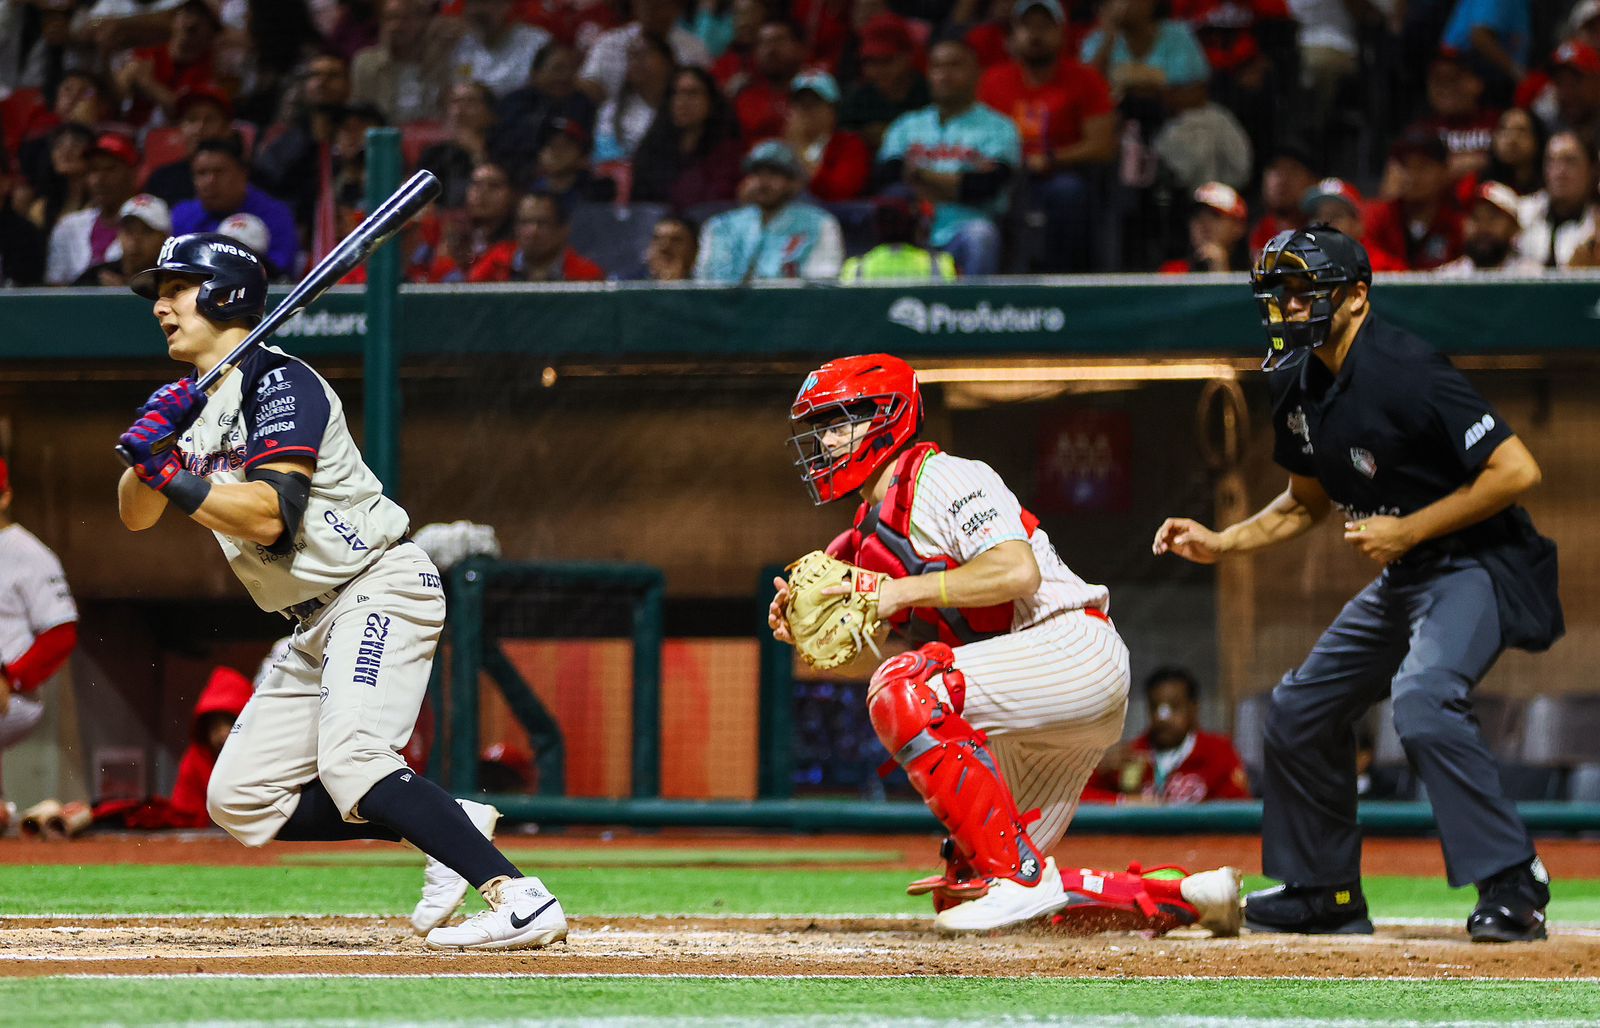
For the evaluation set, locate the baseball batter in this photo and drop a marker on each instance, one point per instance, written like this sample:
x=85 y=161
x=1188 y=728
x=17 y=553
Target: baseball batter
x=1022 y=681
x=38 y=621
x=267 y=463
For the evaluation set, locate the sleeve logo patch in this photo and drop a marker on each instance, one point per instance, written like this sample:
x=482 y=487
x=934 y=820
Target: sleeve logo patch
x=1477 y=430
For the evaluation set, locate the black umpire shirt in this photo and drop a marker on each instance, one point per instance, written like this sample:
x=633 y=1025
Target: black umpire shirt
x=1398 y=429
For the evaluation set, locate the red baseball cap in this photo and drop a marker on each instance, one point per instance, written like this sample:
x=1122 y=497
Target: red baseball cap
x=1577 y=56
x=1222 y=198
x=117 y=145
x=5 y=476
x=886 y=35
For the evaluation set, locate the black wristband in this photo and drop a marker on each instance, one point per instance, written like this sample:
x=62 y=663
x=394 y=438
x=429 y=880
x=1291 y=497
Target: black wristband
x=186 y=492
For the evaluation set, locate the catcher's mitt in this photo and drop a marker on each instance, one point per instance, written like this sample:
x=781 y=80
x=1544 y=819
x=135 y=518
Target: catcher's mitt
x=829 y=630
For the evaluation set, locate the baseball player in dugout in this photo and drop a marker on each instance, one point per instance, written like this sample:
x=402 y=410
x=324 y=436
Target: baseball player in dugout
x=38 y=624
x=1370 y=420
x=267 y=463
x=1019 y=680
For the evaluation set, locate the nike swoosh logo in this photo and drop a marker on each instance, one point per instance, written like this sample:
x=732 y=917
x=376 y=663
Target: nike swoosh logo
x=523 y=922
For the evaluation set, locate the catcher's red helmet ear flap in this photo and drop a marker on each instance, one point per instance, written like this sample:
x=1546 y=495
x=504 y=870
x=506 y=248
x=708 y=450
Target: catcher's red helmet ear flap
x=850 y=418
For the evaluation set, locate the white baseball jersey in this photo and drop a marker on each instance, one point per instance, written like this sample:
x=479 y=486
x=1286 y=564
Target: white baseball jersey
x=34 y=597
x=962 y=507
x=1052 y=692
x=275 y=406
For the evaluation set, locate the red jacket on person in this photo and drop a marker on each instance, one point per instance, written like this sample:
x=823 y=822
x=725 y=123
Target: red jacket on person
x=1211 y=771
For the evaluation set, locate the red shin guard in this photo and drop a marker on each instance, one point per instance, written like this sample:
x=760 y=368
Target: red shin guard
x=950 y=767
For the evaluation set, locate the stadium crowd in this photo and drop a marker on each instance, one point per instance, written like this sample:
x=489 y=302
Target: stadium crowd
x=736 y=140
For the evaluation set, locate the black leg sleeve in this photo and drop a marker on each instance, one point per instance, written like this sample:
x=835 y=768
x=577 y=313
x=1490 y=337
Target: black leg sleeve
x=316 y=819
x=425 y=816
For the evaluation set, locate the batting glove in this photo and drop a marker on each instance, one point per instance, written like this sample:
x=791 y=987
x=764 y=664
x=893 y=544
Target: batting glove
x=179 y=402
x=154 y=463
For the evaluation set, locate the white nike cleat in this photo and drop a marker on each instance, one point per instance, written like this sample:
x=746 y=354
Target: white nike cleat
x=442 y=889
x=1215 y=894
x=522 y=915
x=1008 y=902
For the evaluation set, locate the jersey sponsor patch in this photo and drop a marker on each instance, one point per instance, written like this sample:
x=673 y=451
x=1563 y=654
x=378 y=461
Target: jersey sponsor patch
x=369 y=654
x=978 y=520
x=345 y=530
x=955 y=508
x=287 y=409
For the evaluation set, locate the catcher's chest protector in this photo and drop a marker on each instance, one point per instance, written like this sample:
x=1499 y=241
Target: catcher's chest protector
x=881 y=541
x=948 y=763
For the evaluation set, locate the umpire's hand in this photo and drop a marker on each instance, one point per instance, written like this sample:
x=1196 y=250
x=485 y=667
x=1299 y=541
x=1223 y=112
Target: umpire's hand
x=1188 y=539
x=1381 y=538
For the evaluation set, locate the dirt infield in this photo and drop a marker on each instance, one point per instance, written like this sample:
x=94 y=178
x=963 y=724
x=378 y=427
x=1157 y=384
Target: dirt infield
x=1566 y=858
x=756 y=946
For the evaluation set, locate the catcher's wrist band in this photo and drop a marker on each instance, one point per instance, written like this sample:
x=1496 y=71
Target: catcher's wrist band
x=185 y=491
x=944 y=597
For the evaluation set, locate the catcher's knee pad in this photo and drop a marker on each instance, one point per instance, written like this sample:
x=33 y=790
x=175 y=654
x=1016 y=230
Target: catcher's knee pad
x=948 y=763
x=1134 y=900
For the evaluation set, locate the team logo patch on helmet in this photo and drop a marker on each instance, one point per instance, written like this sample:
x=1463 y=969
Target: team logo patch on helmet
x=1364 y=461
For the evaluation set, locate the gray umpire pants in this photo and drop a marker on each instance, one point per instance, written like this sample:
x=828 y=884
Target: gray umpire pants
x=1427 y=633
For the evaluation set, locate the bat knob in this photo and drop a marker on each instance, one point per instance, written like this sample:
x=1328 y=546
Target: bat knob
x=124 y=454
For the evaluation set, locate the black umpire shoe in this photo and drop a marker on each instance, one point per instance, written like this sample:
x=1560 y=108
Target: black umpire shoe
x=1308 y=910
x=1511 y=905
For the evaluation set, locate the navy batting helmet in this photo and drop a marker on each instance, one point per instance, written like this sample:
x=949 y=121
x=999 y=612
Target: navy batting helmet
x=235 y=286
x=1310 y=262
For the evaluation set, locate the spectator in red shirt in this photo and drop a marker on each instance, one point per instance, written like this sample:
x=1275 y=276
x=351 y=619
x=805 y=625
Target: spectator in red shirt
x=839 y=163
x=1217 y=227
x=156 y=75
x=488 y=222
x=737 y=63
x=1422 y=224
x=1066 y=119
x=1575 y=77
x=764 y=101
x=1456 y=111
x=1173 y=762
x=1335 y=202
x=1284 y=181
x=539 y=252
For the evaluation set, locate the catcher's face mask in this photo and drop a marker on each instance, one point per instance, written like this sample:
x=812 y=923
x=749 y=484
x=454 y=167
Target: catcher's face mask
x=849 y=418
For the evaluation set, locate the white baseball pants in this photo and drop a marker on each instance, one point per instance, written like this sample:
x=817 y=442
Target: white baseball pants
x=341 y=704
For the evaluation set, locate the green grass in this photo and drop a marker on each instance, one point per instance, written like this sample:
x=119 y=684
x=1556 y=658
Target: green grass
x=611 y=857
x=830 y=1002
x=388 y=889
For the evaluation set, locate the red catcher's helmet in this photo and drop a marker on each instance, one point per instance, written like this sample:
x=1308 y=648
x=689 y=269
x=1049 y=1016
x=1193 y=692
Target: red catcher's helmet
x=875 y=390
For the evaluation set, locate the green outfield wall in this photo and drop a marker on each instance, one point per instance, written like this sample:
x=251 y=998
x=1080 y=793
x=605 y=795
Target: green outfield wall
x=1132 y=314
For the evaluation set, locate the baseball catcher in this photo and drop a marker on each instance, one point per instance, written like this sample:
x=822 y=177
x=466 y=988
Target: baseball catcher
x=1019 y=680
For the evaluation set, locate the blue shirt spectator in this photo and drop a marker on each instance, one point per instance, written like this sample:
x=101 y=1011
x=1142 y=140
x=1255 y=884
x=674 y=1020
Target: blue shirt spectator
x=1176 y=53
x=1507 y=19
x=222 y=187
x=773 y=236
x=957 y=155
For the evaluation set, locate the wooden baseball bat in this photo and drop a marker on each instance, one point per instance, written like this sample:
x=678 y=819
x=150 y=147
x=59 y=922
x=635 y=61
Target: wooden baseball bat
x=378 y=228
